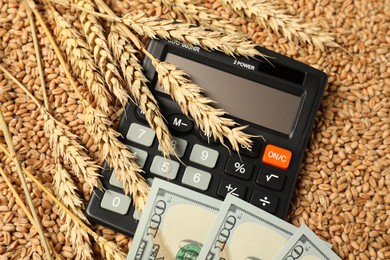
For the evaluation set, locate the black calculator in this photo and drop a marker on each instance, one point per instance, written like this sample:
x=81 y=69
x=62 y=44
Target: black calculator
x=277 y=98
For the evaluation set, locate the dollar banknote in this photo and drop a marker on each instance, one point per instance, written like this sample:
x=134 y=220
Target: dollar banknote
x=174 y=224
x=243 y=231
x=305 y=245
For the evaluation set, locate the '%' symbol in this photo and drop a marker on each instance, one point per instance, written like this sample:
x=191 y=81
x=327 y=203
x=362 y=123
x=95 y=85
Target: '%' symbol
x=239 y=167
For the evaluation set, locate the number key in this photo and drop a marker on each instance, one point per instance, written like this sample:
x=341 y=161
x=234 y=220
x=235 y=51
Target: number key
x=115 y=202
x=140 y=134
x=204 y=156
x=196 y=178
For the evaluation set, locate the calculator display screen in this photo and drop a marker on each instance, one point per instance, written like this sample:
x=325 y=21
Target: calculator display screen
x=243 y=98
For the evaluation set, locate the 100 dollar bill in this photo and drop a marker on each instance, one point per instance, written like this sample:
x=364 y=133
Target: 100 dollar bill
x=305 y=245
x=174 y=224
x=243 y=231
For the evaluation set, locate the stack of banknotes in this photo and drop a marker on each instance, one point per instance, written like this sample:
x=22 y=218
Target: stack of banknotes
x=178 y=223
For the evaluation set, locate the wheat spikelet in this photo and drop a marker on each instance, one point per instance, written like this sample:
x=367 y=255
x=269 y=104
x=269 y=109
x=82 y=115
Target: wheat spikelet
x=112 y=251
x=81 y=60
x=191 y=101
x=64 y=145
x=65 y=190
x=94 y=33
x=210 y=40
x=120 y=159
x=198 y=14
x=293 y=28
x=125 y=53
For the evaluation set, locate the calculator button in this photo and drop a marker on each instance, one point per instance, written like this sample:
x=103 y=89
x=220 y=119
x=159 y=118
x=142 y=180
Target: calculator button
x=196 y=178
x=231 y=187
x=140 y=155
x=180 y=123
x=252 y=151
x=140 y=134
x=114 y=181
x=164 y=167
x=264 y=201
x=179 y=145
x=207 y=138
x=277 y=157
x=271 y=179
x=140 y=114
x=239 y=168
x=204 y=156
x=115 y=202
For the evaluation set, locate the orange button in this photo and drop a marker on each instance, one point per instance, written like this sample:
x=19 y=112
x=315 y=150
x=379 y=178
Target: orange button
x=276 y=156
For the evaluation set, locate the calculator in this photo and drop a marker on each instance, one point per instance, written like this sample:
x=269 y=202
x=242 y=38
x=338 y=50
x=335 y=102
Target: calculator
x=277 y=99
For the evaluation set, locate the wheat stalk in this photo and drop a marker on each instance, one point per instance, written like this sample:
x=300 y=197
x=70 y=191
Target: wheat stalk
x=198 y=14
x=120 y=159
x=125 y=54
x=81 y=60
x=112 y=251
x=65 y=189
x=94 y=33
x=189 y=96
x=270 y=17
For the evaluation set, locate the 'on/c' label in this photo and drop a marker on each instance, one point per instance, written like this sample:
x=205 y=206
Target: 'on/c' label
x=277 y=157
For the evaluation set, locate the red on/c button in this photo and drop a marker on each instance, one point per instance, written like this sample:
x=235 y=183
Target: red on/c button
x=276 y=156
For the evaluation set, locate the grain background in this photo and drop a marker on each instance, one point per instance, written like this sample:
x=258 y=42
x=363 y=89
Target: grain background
x=343 y=191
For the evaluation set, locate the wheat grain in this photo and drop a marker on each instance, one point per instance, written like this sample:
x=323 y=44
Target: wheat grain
x=189 y=96
x=65 y=189
x=125 y=54
x=120 y=159
x=82 y=61
x=293 y=28
x=64 y=145
x=198 y=14
x=94 y=33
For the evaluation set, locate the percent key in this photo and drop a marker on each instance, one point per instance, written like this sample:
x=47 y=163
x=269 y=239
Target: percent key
x=239 y=168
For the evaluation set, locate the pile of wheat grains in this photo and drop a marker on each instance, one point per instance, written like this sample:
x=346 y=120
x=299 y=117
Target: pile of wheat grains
x=343 y=191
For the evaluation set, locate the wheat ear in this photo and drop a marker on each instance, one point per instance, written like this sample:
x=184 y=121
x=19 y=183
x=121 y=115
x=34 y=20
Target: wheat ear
x=94 y=33
x=120 y=159
x=293 y=28
x=198 y=14
x=125 y=54
x=37 y=221
x=64 y=143
x=65 y=189
x=154 y=27
x=189 y=96
x=112 y=251
x=81 y=60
